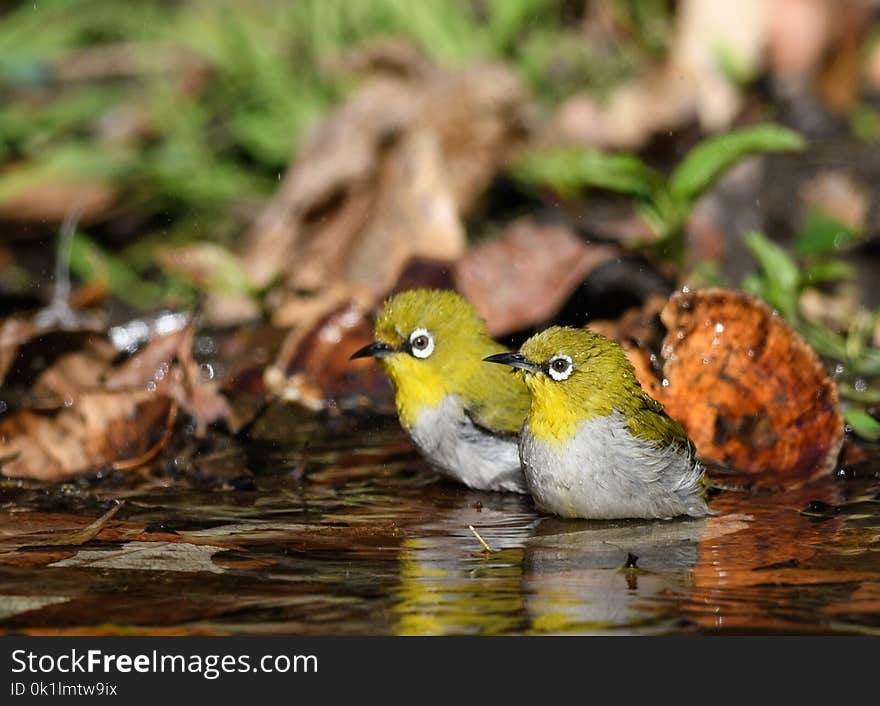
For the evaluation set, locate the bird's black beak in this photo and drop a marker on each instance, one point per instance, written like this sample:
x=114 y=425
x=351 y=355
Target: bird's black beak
x=373 y=350
x=514 y=360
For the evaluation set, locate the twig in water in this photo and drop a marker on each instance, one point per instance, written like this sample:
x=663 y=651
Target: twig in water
x=79 y=536
x=481 y=540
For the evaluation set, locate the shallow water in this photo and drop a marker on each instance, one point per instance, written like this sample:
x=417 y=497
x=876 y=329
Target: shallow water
x=338 y=528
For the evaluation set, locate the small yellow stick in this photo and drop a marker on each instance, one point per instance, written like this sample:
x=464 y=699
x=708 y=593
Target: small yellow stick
x=480 y=539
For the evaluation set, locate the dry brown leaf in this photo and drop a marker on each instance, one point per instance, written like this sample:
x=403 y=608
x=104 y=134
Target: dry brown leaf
x=523 y=276
x=384 y=180
x=316 y=368
x=99 y=429
x=662 y=100
x=748 y=389
x=85 y=414
x=13 y=333
x=414 y=215
x=61 y=383
x=53 y=200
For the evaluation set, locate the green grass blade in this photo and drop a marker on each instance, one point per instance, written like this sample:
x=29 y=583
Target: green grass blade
x=713 y=156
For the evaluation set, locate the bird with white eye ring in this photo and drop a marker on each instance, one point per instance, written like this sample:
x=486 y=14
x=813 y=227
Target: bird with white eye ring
x=462 y=414
x=594 y=444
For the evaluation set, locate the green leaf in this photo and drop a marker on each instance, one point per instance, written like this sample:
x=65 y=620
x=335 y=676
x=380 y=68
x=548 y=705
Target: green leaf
x=779 y=274
x=91 y=263
x=826 y=271
x=568 y=170
x=862 y=424
x=712 y=157
x=825 y=341
x=822 y=234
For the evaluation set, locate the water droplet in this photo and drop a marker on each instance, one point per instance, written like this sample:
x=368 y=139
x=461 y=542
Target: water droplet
x=860 y=385
x=665 y=382
x=205 y=345
x=839 y=369
x=685 y=289
x=706 y=361
x=151 y=386
x=719 y=328
x=68 y=401
x=206 y=370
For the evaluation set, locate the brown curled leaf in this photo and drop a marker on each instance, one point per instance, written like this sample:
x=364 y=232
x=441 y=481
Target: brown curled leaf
x=524 y=275
x=749 y=390
x=99 y=429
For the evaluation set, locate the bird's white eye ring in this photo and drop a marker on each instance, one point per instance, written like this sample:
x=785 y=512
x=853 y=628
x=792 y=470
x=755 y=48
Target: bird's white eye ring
x=421 y=343
x=560 y=367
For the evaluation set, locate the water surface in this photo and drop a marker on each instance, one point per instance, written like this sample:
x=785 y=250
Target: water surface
x=337 y=527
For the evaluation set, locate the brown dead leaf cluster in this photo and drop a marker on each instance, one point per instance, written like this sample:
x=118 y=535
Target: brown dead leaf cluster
x=385 y=179
x=69 y=408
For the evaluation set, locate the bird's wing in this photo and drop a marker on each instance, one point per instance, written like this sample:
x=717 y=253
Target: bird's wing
x=648 y=421
x=504 y=404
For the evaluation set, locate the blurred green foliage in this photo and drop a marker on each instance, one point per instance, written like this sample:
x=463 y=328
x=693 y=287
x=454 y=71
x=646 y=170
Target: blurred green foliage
x=228 y=139
x=663 y=203
x=212 y=97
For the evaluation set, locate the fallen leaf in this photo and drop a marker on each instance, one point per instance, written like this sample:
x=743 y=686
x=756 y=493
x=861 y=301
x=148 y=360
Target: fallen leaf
x=711 y=41
x=314 y=367
x=13 y=332
x=99 y=429
x=523 y=276
x=385 y=179
x=747 y=388
x=83 y=413
x=148 y=556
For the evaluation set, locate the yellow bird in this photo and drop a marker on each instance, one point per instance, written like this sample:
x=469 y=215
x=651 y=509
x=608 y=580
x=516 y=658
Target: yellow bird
x=463 y=415
x=594 y=444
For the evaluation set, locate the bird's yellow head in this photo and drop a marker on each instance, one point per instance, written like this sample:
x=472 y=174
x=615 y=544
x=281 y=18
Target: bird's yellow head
x=573 y=375
x=431 y=343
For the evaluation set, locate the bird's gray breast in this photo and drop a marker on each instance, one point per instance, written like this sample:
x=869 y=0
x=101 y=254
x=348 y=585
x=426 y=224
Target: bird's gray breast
x=457 y=447
x=603 y=471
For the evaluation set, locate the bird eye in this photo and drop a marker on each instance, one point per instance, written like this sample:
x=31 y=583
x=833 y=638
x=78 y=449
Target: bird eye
x=560 y=367
x=421 y=343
